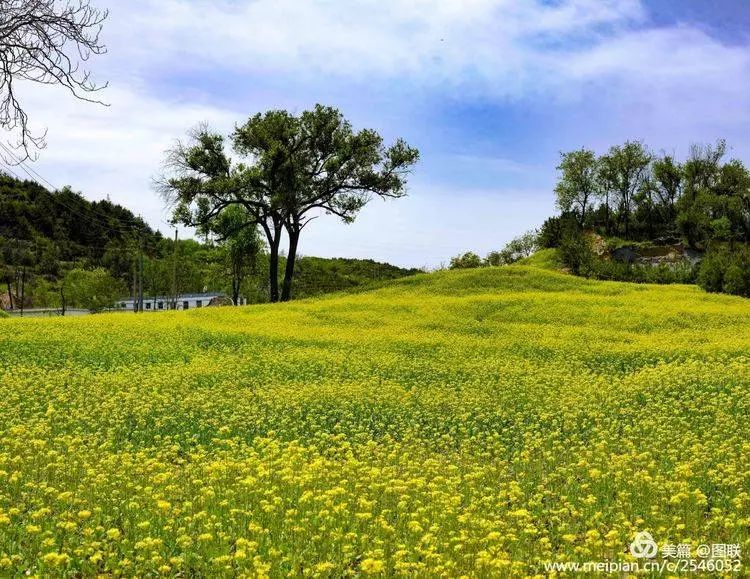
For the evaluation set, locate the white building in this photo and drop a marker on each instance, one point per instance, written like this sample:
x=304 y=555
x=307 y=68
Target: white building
x=184 y=302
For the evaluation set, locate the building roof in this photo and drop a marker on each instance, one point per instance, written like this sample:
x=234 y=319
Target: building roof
x=179 y=297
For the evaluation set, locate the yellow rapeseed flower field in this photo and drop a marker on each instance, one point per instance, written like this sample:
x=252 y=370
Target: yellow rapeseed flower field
x=474 y=423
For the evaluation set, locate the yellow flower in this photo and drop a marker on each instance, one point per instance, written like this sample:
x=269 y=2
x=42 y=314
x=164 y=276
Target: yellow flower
x=372 y=566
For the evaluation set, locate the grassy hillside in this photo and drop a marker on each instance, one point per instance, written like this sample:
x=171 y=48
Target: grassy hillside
x=319 y=275
x=464 y=422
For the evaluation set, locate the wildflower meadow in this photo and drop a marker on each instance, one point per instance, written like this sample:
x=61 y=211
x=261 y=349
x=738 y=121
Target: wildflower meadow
x=460 y=423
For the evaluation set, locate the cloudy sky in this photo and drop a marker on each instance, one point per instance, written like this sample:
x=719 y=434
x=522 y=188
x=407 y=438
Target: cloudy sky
x=490 y=91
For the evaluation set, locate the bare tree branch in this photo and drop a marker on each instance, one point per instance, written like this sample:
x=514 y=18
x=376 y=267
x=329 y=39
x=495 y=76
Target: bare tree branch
x=45 y=42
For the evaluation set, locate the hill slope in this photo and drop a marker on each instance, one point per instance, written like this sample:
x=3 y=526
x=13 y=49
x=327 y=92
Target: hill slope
x=477 y=422
x=64 y=220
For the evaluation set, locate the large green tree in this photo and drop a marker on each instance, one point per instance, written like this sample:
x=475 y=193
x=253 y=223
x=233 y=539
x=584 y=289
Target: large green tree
x=578 y=185
x=624 y=173
x=666 y=180
x=290 y=169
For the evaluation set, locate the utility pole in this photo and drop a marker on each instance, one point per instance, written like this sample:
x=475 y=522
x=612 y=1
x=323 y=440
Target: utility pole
x=174 y=272
x=140 y=274
x=23 y=286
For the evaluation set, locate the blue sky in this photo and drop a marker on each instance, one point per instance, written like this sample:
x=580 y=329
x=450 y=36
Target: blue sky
x=489 y=90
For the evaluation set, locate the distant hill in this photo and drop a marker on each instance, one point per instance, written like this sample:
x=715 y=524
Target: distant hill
x=44 y=233
x=64 y=221
x=319 y=275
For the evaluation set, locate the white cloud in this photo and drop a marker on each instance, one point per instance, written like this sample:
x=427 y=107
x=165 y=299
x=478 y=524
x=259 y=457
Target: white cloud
x=164 y=56
x=490 y=49
x=429 y=41
x=114 y=151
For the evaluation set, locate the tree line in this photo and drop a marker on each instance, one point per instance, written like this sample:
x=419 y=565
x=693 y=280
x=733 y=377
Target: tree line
x=59 y=250
x=636 y=194
x=633 y=197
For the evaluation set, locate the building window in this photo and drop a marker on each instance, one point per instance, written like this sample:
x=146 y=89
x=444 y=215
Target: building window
x=198 y=303
x=185 y=305
x=160 y=305
x=122 y=304
x=148 y=305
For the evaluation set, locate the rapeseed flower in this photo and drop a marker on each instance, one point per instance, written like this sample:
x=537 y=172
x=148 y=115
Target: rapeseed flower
x=457 y=424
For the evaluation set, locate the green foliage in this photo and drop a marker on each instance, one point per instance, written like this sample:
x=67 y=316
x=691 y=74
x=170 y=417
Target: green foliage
x=666 y=181
x=576 y=251
x=623 y=174
x=467 y=260
x=76 y=228
x=648 y=201
x=517 y=248
x=551 y=233
x=47 y=238
x=46 y=294
x=737 y=279
x=94 y=290
x=239 y=244
x=721 y=229
x=726 y=269
x=44 y=233
x=578 y=183
x=4 y=314
x=316 y=275
x=711 y=272
x=643 y=273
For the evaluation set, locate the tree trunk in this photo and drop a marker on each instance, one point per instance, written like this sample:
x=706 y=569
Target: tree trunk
x=286 y=290
x=274 y=238
x=606 y=213
x=236 y=289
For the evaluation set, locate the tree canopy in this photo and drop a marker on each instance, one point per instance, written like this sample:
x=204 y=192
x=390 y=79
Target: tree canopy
x=290 y=169
x=578 y=183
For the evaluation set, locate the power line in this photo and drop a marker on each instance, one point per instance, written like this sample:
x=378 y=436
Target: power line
x=10 y=171
x=105 y=248
x=36 y=177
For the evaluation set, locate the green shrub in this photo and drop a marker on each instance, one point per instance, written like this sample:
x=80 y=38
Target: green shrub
x=726 y=270
x=665 y=273
x=553 y=230
x=736 y=280
x=4 y=314
x=576 y=251
x=711 y=273
x=468 y=260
